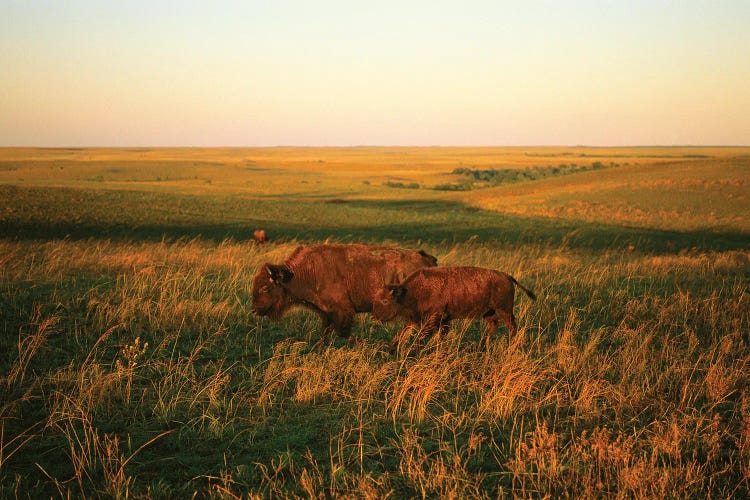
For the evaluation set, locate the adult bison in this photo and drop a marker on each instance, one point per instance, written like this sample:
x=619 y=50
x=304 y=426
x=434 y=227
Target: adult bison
x=335 y=281
x=433 y=297
x=260 y=237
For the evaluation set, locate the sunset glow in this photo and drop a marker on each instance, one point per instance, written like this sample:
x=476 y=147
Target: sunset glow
x=262 y=73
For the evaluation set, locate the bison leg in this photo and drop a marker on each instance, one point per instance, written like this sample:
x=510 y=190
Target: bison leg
x=491 y=322
x=328 y=328
x=510 y=321
x=342 y=323
x=335 y=322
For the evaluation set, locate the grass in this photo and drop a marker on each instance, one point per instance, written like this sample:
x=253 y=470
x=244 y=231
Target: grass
x=131 y=366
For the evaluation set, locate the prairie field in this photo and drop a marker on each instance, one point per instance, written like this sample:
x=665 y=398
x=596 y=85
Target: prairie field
x=131 y=365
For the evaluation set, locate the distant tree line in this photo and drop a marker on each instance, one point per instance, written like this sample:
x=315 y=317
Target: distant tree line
x=474 y=178
x=497 y=176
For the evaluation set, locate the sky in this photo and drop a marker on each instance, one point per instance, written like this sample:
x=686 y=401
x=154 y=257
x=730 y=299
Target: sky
x=342 y=73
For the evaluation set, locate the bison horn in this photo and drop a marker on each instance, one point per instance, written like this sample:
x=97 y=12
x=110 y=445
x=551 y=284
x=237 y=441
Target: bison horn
x=280 y=274
x=397 y=291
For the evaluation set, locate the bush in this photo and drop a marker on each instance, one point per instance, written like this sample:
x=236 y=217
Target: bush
x=452 y=187
x=401 y=185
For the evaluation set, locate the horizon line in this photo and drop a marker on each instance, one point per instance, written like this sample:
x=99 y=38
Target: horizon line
x=352 y=146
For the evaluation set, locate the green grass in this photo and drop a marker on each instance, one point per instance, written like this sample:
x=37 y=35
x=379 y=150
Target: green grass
x=131 y=365
x=82 y=213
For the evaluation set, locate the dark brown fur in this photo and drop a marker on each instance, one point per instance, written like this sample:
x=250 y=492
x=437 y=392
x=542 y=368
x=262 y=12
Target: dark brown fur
x=335 y=281
x=434 y=297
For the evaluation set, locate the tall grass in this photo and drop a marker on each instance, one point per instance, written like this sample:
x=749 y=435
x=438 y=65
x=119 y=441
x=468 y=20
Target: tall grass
x=135 y=369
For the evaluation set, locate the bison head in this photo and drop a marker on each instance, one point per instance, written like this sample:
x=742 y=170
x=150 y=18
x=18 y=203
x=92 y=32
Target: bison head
x=388 y=303
x=270 y=297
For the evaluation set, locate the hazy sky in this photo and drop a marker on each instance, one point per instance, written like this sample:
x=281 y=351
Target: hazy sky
x=213 y=73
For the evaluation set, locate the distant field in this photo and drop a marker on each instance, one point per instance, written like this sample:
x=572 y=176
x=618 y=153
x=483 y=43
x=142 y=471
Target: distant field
x=131 y=365
x=656 y=188
x=305 y=171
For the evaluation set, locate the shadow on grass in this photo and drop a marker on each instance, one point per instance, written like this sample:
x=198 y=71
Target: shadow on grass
x=56 y=213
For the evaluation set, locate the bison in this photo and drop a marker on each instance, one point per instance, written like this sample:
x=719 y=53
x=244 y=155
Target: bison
x=260 y=236
x=434 y=297
x=335 y=281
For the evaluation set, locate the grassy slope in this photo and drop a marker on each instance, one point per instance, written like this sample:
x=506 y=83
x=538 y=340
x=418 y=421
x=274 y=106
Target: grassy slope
x=629 y=378
x=695 y=194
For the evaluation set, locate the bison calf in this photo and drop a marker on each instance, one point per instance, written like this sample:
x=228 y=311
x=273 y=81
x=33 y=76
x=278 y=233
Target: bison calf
x=432 y=297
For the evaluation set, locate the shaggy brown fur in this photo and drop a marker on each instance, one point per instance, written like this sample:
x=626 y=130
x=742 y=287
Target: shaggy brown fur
x=335 y=281
x=434 y=297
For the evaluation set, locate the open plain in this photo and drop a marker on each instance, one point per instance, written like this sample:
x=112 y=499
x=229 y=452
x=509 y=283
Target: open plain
x=132 y=366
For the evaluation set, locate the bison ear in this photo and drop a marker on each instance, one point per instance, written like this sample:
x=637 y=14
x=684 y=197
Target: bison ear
x=431 y=258
x=397 y=291
x=279 y=274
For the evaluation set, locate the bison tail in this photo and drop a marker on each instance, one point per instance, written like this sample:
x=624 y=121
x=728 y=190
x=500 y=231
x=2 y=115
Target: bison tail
x=531 y=294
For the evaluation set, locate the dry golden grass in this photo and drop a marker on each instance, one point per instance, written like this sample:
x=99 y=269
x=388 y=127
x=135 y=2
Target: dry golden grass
x=301 y=171
x=138 y=371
